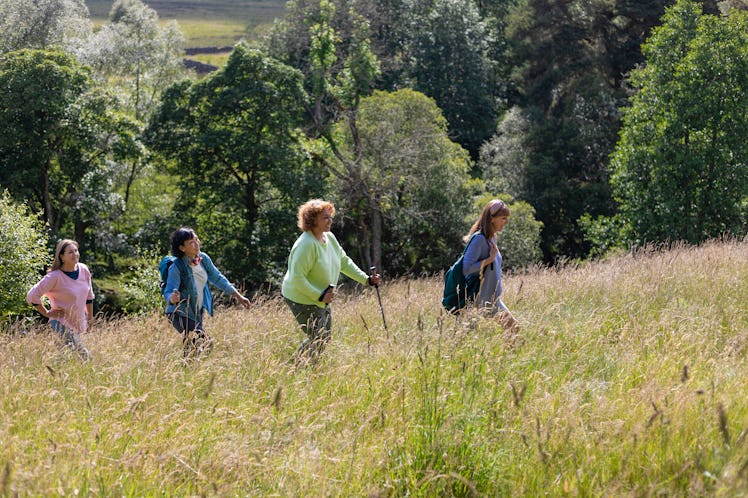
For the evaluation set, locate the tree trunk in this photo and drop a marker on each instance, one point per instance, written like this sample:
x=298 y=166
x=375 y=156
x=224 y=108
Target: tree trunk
x=376 y=238
x=46 y=199
x=131 y=180
x=364 y=248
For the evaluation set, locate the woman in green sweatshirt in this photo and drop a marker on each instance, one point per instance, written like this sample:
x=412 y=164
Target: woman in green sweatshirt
x=314 y=266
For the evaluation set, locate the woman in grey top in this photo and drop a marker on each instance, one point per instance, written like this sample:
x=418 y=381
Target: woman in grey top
x=483 y=258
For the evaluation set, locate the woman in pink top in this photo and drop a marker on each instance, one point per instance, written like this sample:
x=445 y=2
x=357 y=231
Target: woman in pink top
x=68 y=287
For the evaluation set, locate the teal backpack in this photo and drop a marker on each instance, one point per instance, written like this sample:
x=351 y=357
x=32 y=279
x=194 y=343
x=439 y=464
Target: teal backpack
x=458 y=289
x=163 y=269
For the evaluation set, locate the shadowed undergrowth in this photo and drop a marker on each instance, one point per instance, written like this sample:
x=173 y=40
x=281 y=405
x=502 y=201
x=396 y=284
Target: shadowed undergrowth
x=628 y=379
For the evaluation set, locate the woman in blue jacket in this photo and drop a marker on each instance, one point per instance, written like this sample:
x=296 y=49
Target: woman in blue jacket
x=482 y=258
x=187 y=294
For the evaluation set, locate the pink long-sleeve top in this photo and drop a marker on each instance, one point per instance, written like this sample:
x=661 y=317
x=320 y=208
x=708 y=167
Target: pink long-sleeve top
x=66 y=296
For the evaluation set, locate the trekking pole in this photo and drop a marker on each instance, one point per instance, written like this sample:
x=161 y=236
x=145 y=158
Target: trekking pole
x=373 y=270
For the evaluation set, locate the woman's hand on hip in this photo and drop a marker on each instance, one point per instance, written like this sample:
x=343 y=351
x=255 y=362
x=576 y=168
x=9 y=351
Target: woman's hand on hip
x=329 y=296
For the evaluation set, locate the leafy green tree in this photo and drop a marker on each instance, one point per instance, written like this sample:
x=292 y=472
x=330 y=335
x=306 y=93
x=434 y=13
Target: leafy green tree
x=24 y=254
x=336 y=92
x=137 y=54
x=234 y=141
x=448 y=49
x=504 y=159
x=43 y=23
x=519 y=242
x=388 y=24
x=62 y=129
x=566 y=174
x=138 y=58
x=728 y=5
x=570 y=59
x=418 y=178
x=680 y=163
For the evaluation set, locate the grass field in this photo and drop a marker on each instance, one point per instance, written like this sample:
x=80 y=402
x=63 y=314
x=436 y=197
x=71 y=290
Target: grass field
x=628 y=379
x=208 y=22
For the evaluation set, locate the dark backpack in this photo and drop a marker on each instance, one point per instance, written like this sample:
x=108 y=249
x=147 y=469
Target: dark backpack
x=458 y=289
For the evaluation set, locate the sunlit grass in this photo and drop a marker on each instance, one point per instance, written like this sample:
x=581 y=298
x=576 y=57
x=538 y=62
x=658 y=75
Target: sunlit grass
x=211 y=33
x=208 y=23
x=628 y=379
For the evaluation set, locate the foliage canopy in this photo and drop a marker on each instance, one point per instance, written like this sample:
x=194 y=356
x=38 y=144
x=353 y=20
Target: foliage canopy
x=23 y=255
x=62 y=128
x=681 y=164
x=233 y=142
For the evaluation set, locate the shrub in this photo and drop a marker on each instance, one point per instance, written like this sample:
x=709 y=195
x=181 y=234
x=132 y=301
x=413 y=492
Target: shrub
x=23 y=255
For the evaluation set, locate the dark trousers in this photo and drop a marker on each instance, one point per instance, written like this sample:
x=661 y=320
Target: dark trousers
x=316 y=323
x=194 y=339
x=183 y=324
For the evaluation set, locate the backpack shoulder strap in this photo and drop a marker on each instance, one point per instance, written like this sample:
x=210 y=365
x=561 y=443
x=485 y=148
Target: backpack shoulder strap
x=181 y=268
x=469 y=241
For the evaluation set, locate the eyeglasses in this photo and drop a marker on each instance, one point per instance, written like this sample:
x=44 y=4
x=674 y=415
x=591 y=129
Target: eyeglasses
x=497 y=206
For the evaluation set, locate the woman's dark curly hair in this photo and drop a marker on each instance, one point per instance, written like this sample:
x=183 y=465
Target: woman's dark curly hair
x=179 y=237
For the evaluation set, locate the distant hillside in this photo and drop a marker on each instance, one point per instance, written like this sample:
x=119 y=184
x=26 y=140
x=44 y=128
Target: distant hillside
x=252 y=12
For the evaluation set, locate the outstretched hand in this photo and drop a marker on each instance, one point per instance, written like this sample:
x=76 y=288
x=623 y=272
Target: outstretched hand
x=375 y=279
x=242 y=300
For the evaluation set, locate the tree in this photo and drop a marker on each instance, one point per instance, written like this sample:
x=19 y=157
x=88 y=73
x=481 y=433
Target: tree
x=138 y=55
x=234 y=140
x=336 y=92
x=42 y=23
x=388 y=24
x=448 y=49
x=24 y=254
x=727 y=5
x=417 y=177
x=680 y=163
x=59 y=130
x=570 y=59
x=504 y=159
x=138 y=58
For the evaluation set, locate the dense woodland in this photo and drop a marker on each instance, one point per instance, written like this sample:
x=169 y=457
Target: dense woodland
x=604 y=124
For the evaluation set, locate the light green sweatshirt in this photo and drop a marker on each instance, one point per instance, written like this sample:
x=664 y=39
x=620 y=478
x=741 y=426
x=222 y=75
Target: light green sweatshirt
x=313 y=266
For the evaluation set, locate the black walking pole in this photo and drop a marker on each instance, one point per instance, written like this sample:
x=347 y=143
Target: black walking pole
x=373 y=271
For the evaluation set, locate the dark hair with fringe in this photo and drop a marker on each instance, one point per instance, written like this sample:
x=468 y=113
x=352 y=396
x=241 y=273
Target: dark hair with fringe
x=179 y=237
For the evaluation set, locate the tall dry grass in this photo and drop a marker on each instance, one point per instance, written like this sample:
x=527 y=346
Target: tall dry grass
x=628 y=379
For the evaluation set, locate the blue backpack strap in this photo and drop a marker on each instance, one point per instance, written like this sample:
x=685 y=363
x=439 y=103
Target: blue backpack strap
x=184 y=277
x=183 y=272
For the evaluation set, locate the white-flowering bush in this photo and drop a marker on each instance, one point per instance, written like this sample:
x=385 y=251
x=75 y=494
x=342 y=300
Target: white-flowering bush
x=23 y=255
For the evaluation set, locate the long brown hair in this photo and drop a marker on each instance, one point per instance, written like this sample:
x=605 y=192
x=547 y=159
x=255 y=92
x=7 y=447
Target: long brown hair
x=60 y=250
x=495 y=207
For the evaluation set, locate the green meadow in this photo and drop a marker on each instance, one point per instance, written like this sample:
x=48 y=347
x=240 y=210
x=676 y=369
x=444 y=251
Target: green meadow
x=207 y=23
x=628 y=378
